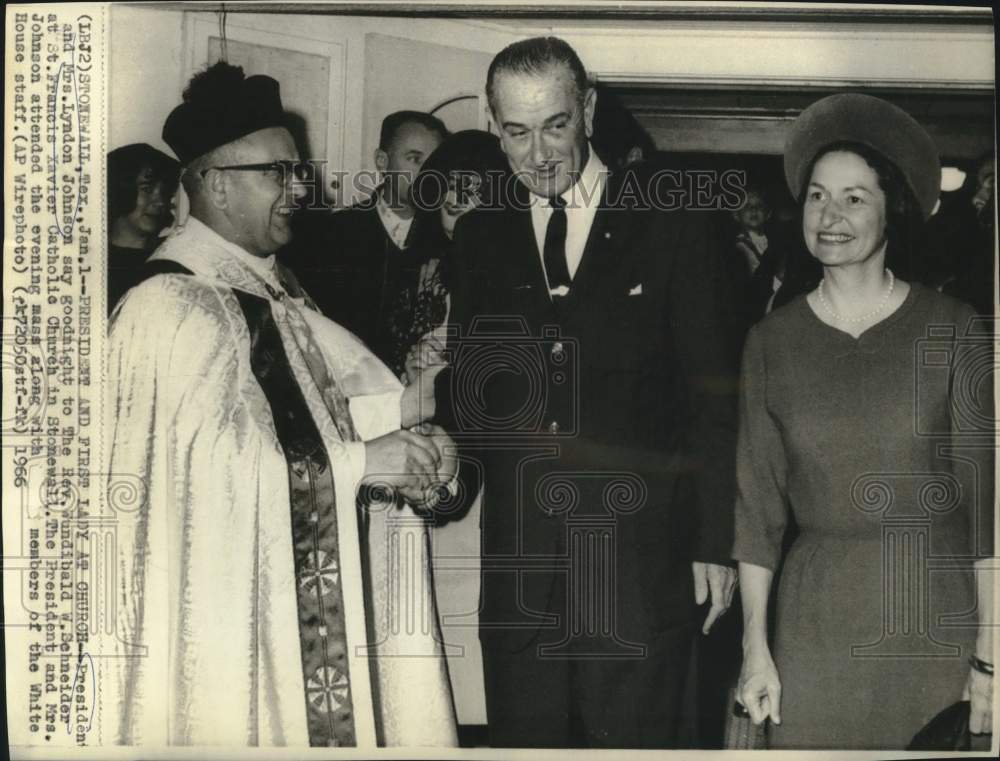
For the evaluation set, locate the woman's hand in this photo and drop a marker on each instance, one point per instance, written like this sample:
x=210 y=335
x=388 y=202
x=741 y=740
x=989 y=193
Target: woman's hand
x=425 y=354
x=417 y=403
x=979 y=692
x=759 y=689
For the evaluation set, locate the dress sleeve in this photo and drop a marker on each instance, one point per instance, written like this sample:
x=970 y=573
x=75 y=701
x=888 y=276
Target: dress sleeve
x=973 y=422
x=761 y=467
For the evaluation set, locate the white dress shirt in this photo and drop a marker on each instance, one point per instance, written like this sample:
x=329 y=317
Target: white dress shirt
x=397 y=227
x=582 y=202
x=759 y=240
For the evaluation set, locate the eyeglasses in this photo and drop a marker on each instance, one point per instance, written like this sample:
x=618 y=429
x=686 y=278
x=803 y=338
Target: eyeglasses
x=281 y=171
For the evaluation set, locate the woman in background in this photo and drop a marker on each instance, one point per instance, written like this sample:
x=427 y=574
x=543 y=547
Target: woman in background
x=141 y=183
x=467 y=170
x=867 y=410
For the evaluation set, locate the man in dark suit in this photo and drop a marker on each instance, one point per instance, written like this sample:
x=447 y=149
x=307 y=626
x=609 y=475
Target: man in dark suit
x=592 y=388
x=355 y=260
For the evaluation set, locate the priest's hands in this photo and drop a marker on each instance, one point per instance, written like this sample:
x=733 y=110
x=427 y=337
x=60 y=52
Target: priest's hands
x=447 y=467
x=416 y=463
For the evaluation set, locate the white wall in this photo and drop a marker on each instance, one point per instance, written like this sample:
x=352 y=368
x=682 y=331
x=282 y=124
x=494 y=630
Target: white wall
x=150 y=64
x=397 y=76
x=145 y=73
x=841 y=54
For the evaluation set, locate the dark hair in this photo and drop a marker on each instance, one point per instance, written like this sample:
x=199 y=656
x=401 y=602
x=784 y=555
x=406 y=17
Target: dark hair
x=534 y=56
x=124 y=166
x=758 y=189
x=617 y=131
x=982 y=159
x=469 y=152
x=396 y=121
x=902 y=212
x=972 y=177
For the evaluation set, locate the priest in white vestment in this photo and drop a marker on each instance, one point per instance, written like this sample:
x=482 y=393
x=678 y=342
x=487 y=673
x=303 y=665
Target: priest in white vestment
x=259 y=601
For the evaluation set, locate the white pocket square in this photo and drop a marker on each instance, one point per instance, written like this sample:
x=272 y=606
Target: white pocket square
x=636 y=290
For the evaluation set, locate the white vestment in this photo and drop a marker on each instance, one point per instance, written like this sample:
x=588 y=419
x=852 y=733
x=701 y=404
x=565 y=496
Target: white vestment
x=207 y=629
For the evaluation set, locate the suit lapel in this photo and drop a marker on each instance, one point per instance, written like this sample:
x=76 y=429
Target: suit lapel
x=602 y=254
x=603 y=257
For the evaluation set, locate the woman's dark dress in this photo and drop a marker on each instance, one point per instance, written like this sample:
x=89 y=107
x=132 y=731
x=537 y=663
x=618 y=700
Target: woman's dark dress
x=126 y=268
x=875 y=614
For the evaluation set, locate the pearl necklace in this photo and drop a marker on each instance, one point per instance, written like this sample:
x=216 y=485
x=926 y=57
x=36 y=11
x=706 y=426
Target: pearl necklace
x=876 y=311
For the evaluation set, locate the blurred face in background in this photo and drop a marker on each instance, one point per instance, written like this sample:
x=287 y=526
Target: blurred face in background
x=461 y=198
x=755 y=212
x=152 y=206
x=403 y=158
x=983 y=197
x=545 y=123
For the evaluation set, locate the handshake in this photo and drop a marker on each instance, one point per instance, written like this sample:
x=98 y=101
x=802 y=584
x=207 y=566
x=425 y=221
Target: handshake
x=416 y=464
x=420 y=460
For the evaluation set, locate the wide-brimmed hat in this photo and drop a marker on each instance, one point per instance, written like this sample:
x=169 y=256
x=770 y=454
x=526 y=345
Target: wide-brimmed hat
x=870 y=121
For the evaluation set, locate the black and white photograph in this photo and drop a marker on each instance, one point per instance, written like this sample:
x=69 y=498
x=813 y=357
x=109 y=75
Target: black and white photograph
x=439 y=379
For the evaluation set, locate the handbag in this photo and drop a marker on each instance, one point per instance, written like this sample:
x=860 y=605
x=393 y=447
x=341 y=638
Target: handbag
x=949 y=730
x=741 y=732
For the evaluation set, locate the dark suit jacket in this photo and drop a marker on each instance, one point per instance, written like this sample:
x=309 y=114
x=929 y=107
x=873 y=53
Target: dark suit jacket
x=356 y=274
x=752 y=291
x=613 y=415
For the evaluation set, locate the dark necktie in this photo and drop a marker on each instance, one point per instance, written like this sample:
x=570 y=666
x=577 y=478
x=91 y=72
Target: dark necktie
x=555 y=246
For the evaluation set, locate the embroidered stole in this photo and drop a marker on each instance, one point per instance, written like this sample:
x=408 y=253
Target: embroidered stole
x=320 y=603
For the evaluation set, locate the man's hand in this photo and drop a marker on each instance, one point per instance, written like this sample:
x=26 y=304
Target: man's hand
x=717 y=580
x=447 y=468
x=417 y=403
x=405 y=461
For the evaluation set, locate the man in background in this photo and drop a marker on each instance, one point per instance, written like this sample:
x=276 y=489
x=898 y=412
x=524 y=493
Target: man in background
x=956 y=253
x=976 y=280
x=356 y=260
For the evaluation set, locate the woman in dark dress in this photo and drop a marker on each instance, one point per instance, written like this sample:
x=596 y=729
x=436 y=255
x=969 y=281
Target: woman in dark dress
x=466 y=171
x=141 y=183
x=867 y=410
